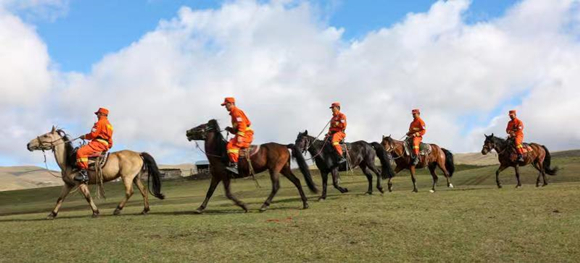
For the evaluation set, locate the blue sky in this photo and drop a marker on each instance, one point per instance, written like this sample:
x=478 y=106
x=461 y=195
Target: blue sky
x=91 y=29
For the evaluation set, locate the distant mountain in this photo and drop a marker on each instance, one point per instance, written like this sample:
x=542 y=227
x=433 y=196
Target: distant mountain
x=25 y=177
x=491 y=158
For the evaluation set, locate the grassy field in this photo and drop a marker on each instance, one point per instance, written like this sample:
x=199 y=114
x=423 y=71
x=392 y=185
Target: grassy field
x=474 y=222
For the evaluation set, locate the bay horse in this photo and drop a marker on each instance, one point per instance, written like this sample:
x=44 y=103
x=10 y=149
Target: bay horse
x=539 y=157
x=438 y=157
x=127 y=165
x=273 y=157
x=360 y=153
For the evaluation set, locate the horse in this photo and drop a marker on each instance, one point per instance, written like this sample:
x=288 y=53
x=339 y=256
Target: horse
x=438 y=157
x=539 y=157
x=360 y=153
x=273 y=157
x=128 y=165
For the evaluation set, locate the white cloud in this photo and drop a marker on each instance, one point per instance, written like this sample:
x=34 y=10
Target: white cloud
x=285 y=65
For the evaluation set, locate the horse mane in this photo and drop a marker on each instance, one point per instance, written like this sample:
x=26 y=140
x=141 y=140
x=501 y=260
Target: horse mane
x=221 y=142
x=69 y=148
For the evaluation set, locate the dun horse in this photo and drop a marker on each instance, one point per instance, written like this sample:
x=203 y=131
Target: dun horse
x=539 y=157
x=126 y=164
x=360 y=153
x=271 y=156
x=438 y=157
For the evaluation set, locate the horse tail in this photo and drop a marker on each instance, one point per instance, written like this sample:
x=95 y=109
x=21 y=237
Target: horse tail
x=386 y=169
x=153 y=172
x=297 y=155
x=548 y=163
x=449 y=164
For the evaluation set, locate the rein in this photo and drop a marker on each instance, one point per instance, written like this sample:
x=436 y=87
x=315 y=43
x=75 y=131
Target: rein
x=315 y=139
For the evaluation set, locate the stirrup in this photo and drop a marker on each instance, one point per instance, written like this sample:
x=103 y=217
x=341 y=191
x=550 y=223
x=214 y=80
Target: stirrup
x=82 y=176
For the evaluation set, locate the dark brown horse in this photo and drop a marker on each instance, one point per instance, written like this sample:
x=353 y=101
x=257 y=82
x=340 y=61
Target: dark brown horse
x=539 y=157
x=438 y=157
x=273 y=157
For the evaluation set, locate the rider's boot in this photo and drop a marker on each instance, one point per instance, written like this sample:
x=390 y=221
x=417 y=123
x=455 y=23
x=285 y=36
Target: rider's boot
x=232 y=167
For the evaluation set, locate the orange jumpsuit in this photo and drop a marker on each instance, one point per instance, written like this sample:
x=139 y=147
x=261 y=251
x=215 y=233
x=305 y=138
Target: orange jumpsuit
x=515 y=128
x=101 y=137
x=337 y=129
x=244 y=134
x=416 y=131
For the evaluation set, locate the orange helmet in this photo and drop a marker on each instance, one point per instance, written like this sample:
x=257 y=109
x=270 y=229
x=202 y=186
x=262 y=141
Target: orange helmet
x=103 y=111
x=228 y=100
x=335 y=104
x=416 y=111
x=512 y=112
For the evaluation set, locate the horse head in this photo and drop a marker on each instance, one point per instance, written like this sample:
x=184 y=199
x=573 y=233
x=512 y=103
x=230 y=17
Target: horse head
x=488 y=144
x=45 y=141
x=303 y=141
x=199 y=133
x=388 y=143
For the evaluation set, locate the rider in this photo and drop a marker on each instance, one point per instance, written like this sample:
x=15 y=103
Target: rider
x=416 y=132
x=244 y=135
x=101 y=137
x=337 y=129
x=515 y=130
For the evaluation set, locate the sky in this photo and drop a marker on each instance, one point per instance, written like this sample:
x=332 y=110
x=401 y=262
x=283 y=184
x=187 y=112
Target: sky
x=164 y=66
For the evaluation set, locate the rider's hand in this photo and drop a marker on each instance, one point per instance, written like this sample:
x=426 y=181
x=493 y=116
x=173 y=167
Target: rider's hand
x=82 y=137
x=230 y=130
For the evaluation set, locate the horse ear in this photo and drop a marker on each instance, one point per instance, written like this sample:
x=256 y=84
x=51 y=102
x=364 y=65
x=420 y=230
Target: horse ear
x=491 y=135
x=485 y=135
x=306 y=132
x=383 y=137
x=53 y=129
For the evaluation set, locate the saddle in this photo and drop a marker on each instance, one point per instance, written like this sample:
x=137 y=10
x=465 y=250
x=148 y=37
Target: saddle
x=98 y=160
x=249 y=152
x=424 y=148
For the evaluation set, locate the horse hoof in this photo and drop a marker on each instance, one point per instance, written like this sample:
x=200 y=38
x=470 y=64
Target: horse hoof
x=369 y=193
x=381 y=190
x=544 y=185
x=518 y=186
x=263 y=209
x=51 y=216
x=245 y=209
x=95 y=215
x=306 y=206
x=451 y=186
x=198 y=211
x=499 y=186
x=144 y=212
x=415 y=191
x=117 y=212
x=431 y=191
x=320 y=199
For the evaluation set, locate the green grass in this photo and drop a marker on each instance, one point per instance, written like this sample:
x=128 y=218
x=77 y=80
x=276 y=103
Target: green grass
x=473 y=222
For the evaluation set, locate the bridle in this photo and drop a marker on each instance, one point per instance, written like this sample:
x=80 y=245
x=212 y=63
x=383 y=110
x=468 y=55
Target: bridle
x=202 y=132
x=391 y=149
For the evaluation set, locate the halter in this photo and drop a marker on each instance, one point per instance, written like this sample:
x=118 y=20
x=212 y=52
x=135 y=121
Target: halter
x=391 y=149
x=52 y=147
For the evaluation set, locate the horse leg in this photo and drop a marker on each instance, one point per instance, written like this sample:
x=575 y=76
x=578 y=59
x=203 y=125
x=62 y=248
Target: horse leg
x=369 y=176
x=389 y=183
x=412 y=169
x=212 y=185
x=499 y=170
x=324 y=176
x=335 y=181
x=535 y=164
x=540 y=167
x=275 y=178
x=441 y=165
x=432 y=168
x=230 y=196
x=517 y=168
x=288 y=173
x=143 y=192
x=63 y=194
x=84 y=188
x=378 y=173
x=128 y=193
